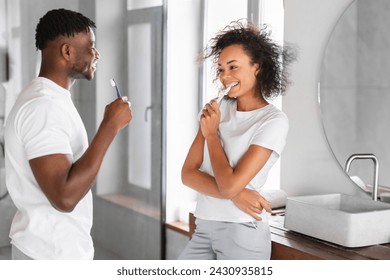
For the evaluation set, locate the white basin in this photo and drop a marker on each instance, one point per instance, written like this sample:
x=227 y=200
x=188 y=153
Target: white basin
x=338 y=218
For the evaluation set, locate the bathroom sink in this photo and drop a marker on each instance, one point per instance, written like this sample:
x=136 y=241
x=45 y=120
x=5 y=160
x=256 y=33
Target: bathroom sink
x=338 y=218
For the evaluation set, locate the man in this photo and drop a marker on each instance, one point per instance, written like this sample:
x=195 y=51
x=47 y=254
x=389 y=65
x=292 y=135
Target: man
x=50 y=168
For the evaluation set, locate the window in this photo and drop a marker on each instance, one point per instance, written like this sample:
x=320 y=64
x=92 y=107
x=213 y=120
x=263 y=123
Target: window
x=209 y=16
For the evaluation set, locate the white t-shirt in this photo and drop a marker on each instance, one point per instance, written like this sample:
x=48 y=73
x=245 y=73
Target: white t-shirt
x=266 y=127
x=45 y=121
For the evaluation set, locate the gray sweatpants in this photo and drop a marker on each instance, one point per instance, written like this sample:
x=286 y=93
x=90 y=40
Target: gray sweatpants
x=214 y=240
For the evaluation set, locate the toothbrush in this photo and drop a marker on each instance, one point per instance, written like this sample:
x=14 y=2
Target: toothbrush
x=113 y=83
x=222 y=94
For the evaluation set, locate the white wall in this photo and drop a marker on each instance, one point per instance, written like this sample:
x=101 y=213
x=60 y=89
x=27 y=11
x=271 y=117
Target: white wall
x=308 y=165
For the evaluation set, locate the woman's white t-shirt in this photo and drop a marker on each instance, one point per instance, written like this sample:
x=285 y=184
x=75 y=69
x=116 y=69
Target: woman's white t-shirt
x=45 y=121
x=266 y=127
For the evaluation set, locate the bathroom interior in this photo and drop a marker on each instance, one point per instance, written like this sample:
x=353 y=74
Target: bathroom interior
x=336 y=105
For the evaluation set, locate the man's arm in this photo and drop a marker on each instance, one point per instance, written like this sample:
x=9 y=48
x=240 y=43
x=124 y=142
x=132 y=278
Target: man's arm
x=66 y=183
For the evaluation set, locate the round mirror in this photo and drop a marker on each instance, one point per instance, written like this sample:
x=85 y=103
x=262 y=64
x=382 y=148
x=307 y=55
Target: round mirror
x=354 y=92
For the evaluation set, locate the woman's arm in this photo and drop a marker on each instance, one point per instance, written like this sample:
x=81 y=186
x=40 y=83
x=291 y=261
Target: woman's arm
x=249 y=201
x=191 y=175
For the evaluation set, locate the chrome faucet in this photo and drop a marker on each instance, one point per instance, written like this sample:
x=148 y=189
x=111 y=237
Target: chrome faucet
x=376 y=170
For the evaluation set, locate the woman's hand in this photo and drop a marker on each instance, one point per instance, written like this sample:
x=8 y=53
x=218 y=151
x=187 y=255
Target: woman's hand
x=252 y=203
x=209 y=120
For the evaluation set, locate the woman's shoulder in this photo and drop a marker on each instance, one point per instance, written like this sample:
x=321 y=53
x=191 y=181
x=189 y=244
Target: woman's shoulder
x=275 y=112
x=275 y=116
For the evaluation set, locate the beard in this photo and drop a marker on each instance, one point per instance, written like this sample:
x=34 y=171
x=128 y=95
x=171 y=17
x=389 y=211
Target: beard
x=85 y=72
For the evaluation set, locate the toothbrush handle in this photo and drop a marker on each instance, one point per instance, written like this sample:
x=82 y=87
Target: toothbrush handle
x=219 y=98
x=222 y=94
x=117 y=92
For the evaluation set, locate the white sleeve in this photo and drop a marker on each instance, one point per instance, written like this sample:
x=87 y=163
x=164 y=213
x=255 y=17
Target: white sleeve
x=43 y=129
x=272 y=134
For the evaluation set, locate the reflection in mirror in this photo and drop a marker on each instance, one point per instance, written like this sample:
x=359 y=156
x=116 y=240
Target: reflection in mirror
x=216 y=17
x=139 y=61
x=354 y=89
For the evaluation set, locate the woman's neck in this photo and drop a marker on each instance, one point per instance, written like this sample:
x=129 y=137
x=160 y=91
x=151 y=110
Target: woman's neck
x=250 y=103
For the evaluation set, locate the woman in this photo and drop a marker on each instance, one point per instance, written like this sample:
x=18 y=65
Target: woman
x=237 y=143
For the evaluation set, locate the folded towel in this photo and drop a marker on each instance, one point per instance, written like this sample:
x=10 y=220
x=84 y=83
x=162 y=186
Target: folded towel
x=367 y=187
x=360 y=183
x=277 y=198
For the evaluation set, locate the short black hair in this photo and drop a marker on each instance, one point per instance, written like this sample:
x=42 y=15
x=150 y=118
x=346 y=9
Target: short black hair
x=60 y=22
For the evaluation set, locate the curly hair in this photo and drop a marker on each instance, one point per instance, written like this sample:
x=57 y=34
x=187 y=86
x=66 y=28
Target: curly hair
x=272 y=79
x=60 y=22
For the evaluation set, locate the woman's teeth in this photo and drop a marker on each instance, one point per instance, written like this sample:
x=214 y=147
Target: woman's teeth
x=232 y=84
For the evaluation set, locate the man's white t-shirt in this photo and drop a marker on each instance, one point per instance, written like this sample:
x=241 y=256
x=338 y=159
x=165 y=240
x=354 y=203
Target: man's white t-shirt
x=45 y=121
x=266 y=127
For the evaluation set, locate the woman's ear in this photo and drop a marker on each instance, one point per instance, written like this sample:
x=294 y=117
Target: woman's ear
x=257 y=66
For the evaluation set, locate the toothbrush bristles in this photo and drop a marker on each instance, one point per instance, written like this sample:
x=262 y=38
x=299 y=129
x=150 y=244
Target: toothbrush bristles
x=113 y=83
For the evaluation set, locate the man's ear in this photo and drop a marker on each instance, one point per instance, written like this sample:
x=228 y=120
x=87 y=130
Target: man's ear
x=65 y=51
